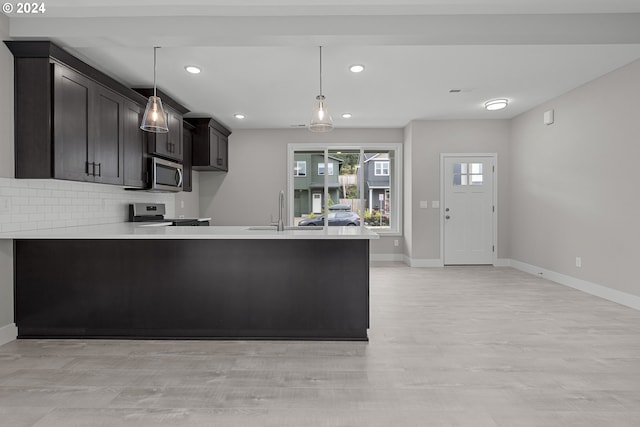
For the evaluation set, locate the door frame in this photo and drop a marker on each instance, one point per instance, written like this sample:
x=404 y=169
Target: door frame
x=494 y=157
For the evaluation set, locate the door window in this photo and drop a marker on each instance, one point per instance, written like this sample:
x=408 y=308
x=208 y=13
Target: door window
x=468 y=174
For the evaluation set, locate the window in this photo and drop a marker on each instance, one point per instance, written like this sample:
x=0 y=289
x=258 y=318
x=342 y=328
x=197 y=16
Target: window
x=381 y=168
x=354 y=185
x=321 y=168
x=300 y=168
x=467 y=174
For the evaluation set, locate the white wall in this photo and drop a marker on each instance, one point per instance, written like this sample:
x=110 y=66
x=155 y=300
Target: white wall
x=575 y=183
x=425 y=141
x=407 y=169
x=188 y=203
x=248 y=193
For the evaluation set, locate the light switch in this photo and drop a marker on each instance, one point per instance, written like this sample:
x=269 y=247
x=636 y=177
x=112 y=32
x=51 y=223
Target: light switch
x=424 y=204
x=435 y=204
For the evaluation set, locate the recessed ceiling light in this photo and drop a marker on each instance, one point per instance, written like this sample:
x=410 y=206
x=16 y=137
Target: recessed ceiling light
x=239 y=116
x=496 y=104
x=346 y=115
x=192 y=69
x=357 y=68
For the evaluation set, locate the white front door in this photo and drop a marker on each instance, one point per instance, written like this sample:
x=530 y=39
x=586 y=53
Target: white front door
x=317 y=203
x=468 y=209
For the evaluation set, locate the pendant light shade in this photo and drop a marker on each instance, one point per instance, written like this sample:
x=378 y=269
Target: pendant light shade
x=154 y=119
x=321 y=119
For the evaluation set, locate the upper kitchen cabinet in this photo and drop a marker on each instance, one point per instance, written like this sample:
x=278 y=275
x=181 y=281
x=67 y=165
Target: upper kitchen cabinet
x=71 y=119
x=168 y=145
x=210 y=145
x=135 y=150
x=187 y=144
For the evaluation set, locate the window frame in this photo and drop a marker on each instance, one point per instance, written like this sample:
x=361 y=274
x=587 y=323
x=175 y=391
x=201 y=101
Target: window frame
x=395 y=168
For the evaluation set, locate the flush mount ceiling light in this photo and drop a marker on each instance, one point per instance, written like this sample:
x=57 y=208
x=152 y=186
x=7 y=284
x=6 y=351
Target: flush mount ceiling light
x=346 y=115
x=320 y=119
x=192 y=69
x=357 y=68
x=239 y=116
x=496 y=104
x=154 y=119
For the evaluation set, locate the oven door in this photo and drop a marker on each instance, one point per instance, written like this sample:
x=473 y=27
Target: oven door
x=166 y=176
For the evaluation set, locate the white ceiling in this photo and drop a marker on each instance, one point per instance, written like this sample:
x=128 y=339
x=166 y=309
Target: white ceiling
x=260 y=57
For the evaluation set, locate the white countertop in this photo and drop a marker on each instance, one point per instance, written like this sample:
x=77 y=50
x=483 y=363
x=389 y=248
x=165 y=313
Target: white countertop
x=129 y=230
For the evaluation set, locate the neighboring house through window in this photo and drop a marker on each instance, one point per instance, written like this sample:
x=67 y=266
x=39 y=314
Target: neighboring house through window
x=321 y=168
x=382 y=168
x=300 y=168
x=363 y=179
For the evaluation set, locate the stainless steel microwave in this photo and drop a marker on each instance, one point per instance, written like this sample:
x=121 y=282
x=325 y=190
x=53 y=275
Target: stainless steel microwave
x=166 y=175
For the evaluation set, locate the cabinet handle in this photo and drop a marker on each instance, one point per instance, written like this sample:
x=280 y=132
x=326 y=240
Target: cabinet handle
x=93 y=168
x=99 y=169
x=219 y=161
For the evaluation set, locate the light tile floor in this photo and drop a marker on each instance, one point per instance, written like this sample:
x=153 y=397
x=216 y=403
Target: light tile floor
x=459 y=346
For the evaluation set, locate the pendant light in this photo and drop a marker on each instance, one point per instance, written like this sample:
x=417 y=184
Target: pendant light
x=320 y=119
x=154 y=119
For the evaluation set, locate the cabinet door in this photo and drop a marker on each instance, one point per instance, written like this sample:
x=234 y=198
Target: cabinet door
x=72 y=93
x=223 y=153
x=108 y=142
x=135 y=166
x=218 y=144
x=175 y=135
x=187 y=145
x=168 y=144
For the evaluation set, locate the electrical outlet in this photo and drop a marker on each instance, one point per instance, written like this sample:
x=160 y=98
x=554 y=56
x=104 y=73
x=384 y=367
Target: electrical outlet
x=181 y=204
x=396 y=242
x=578 y=262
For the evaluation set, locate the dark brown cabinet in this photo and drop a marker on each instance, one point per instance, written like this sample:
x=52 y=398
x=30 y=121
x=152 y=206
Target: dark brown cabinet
x=72 y=121
x=187 y=144
x=107 y=122
x=87 y=129
x=168 y=145
x=210 y=145
x=135 y=153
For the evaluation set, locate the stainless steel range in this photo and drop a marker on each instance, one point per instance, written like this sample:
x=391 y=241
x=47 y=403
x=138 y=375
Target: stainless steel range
x=154 y=215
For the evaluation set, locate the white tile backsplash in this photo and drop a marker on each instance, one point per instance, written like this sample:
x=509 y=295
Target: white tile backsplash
x=30 y=204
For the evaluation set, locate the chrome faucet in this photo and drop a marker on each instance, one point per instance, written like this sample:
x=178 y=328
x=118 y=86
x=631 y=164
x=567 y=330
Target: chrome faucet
x=280 y=223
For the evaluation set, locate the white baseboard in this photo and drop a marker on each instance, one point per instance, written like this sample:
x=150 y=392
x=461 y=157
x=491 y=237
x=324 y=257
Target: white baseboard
x=386 y=257
x=8 y=333
x=610 y=294
x=502 y=262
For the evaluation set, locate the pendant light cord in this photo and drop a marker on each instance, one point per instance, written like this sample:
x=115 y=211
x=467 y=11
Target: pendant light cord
x=154 y=70
x=320 y=70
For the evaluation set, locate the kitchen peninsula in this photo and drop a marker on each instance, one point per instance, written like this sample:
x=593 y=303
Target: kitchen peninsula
x=127 y=280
